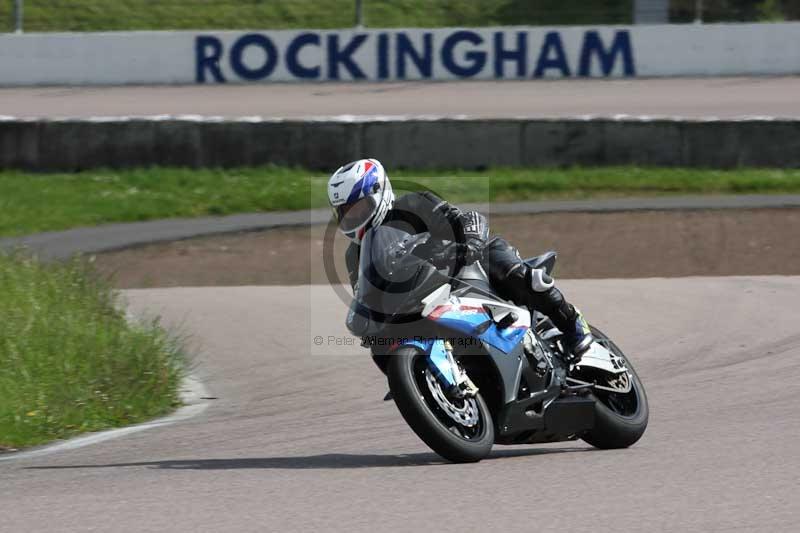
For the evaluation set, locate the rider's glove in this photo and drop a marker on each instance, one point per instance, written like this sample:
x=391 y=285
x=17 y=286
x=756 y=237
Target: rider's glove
x=470 y=253
x=444 y=256
x=451 y=253
x=474 y=231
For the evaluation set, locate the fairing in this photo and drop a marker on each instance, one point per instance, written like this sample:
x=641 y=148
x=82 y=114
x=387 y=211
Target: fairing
x=470 y=316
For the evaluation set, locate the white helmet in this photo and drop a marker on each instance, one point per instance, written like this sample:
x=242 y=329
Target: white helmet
x=361 y=195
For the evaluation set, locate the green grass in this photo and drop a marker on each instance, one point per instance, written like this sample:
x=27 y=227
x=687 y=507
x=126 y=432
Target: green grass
x=69 y=361
x=32 y=203
x=104 y=15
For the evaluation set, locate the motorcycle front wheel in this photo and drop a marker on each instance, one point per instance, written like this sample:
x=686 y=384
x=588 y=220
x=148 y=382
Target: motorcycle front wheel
x=620 y=419
x=459 y=429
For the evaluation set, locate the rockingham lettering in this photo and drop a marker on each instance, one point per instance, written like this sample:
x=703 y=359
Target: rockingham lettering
x=439 y=54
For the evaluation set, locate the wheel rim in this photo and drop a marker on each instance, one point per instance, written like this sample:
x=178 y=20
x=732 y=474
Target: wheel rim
x=625 y=405
x=460 y=416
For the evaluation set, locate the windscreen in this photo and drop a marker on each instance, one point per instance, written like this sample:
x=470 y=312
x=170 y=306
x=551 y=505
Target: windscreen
x=389 y=272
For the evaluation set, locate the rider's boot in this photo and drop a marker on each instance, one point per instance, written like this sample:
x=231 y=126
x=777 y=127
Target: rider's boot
x=534 y=288
x=577 y=338
x=547 y=299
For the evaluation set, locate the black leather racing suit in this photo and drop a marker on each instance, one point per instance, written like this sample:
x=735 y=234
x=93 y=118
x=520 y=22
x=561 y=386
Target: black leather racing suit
x=508 y=274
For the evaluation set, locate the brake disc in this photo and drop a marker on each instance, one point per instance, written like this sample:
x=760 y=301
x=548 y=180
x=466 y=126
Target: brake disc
x=466 y=415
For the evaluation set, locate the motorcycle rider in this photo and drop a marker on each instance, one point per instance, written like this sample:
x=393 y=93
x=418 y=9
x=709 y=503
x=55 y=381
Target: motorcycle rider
x=362 y=198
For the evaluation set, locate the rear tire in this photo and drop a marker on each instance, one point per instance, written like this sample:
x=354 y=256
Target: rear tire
x=620 y=420
x=460 y=444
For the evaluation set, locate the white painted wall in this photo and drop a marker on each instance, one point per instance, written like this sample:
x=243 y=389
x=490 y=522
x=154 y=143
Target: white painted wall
x=548 y=52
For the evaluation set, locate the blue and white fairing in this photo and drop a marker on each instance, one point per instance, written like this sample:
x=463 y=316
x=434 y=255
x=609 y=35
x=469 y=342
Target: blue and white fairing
x=472 y=317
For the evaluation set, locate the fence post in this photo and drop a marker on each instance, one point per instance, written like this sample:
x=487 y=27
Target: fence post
x=698 y=11
x=359 y=14
x=18 y=16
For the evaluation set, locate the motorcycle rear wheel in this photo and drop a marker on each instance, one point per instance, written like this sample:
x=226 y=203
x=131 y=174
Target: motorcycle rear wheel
x=409 y=379
x=620 y=419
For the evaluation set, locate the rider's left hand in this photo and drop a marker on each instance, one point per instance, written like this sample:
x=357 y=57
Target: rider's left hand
x=475 y=232
x=454 y=252
x=471 y=252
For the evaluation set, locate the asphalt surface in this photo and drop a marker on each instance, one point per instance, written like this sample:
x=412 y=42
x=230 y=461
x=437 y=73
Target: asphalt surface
x=680 y=97
x=298 y=437
x=63 y=244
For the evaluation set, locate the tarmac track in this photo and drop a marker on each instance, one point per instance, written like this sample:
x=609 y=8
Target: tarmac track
x=298 y=437
x=678 y=97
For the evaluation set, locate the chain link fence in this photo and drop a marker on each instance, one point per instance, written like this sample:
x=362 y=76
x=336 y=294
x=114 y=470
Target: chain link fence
x=118 y=15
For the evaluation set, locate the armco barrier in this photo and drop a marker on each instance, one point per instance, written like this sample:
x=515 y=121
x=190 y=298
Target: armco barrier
x=413 y=143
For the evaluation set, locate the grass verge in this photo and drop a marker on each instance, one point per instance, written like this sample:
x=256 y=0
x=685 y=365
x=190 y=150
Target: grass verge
x=69 y=360
x=104 y=15
x=32 y=203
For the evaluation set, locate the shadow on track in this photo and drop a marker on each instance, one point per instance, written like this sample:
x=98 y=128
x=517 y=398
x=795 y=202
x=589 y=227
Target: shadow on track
x=325 y=461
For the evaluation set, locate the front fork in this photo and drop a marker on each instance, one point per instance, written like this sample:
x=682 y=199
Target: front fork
x=444 y=366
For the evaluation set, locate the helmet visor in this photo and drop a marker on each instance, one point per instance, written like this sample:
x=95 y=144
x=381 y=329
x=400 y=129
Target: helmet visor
x=353 y=216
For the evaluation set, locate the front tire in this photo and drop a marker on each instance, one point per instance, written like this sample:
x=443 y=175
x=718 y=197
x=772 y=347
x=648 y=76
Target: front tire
x=456 y=436
x=620 y=419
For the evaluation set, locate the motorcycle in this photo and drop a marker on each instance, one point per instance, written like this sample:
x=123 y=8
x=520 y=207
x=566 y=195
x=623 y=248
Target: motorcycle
x=468 y=369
